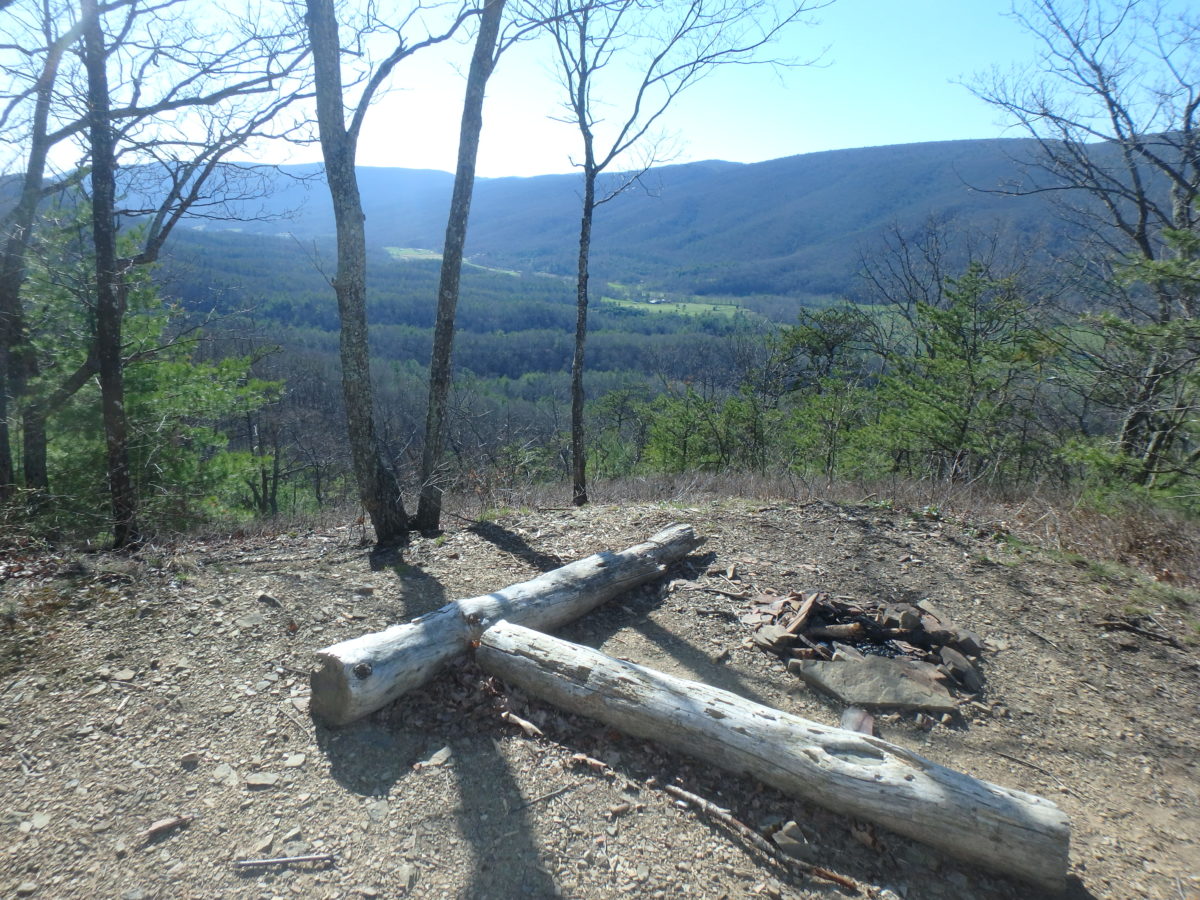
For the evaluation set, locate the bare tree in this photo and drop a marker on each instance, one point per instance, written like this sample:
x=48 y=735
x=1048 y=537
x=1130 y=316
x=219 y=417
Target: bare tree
x=1112 y=104
x=108 y=305
x=32 y=69
x=184 y=98
x=672 y=45
x=483 y=62
x=378 y=484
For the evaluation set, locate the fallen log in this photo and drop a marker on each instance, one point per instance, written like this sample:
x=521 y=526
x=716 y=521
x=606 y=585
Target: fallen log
x=358 y=676
x=1008 y=831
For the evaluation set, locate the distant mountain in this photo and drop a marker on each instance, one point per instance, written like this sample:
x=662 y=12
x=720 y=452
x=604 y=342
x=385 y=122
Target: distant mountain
x=787 y=226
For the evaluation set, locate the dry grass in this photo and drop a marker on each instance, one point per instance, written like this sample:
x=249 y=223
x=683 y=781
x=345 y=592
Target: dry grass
x=1162 y=544
x=1158 y=542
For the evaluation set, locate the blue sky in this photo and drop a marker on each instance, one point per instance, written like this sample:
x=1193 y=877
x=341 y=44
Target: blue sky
x=888 y=76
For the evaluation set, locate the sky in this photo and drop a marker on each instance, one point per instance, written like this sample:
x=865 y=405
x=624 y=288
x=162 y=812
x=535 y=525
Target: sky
x=888 y=75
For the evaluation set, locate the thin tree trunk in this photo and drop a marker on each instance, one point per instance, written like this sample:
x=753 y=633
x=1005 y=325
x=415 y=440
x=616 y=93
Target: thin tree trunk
x=7 y=480
x=36 y=415
x=109 y=296
x=16 y=354
x=579 y=494
x=34 y=448
x=378 y=486
x=483 y=62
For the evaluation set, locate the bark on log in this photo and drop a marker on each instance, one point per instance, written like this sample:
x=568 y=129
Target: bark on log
x=1008 y=831
x=361 y=675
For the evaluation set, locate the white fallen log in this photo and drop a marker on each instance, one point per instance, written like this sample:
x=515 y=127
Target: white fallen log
x=1004 y=830
x=358 y=676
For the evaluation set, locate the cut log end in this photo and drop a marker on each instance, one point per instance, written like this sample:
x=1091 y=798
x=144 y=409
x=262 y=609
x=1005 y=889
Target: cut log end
x=332 y=700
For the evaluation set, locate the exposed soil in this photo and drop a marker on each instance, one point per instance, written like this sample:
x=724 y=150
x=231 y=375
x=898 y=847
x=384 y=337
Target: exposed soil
x=138 y=689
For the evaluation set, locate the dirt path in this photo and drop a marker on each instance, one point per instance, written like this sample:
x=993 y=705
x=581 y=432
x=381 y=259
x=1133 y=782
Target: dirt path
x=174 y=685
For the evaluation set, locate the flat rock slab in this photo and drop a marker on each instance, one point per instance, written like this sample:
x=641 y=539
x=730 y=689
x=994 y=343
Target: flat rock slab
x=875 y=681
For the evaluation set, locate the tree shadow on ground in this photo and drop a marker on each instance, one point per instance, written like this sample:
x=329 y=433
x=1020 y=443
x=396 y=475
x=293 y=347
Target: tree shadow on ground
x=401 y=756
x=633 y=611
x=514 y=544
x=377 y=757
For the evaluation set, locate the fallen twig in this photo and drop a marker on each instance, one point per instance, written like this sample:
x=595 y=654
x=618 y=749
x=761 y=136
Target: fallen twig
x=1122 y=625
x=304 y=731
x=548 y=796
x=716 y=590
x=282 y=860
x=1036 y=768
x=1042 y=637
x=757 y=840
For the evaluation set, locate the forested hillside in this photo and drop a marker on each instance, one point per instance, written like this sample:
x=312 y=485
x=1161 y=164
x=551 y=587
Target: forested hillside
x=793 y=226
x=187 y=339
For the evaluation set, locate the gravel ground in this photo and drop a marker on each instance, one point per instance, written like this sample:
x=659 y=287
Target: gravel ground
x=154 y=725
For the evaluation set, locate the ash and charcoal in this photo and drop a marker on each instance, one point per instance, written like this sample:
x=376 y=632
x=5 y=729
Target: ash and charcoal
x=895 y=656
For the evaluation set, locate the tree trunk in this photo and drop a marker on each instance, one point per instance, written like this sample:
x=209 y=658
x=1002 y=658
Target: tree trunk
x=36 y=415
x=1007 y=831
x=109 y=295
x=16 y=355
x=579 y=494
x=429 y=508
x=362 y=675
x=378 y=486
x=7 y=479
x=34 y=448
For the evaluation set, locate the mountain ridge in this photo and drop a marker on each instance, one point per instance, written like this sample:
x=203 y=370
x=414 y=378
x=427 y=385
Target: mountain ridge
x=791 y=225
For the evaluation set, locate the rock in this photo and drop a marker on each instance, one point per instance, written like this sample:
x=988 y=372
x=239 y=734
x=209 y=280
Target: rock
x=294 y=760
x=26 y=888
x=792 y=841
x=268 y=600
x=190 y=760
x=438 y=759
x=900 y=615
x=845 y=651
x=363 y=590
x=962 y=669
x=774 y=638
x=874 y=682
x=225 y=774
x=251 y=620
x=40 y=820
x=968 y=642
x=124 y=675
x=261 y=780
x=406 y=874
x=855 y=719
x=377 y=810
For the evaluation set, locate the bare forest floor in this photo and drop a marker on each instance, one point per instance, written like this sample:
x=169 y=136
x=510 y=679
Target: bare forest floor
x=171 y=685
